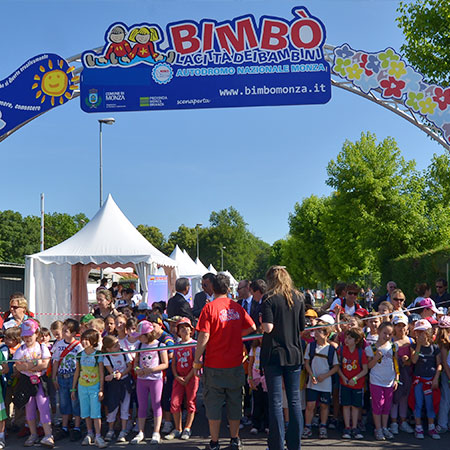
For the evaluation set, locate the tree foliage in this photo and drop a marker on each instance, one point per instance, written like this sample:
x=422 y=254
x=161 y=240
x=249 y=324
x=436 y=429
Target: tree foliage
x=381 y=207
x=426 y=26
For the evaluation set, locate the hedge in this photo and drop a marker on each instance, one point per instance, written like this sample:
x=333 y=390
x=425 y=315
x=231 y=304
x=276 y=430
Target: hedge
x=409 y=270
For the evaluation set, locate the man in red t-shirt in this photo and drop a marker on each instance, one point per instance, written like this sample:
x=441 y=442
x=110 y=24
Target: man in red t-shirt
x=221 y=326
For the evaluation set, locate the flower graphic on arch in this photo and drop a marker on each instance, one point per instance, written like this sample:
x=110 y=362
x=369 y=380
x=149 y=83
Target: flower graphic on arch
x=413 y=100
x=442 y=97
x=392 y=87
x=373 y=63
x=388 y=56
x=427 y=106
x=397 y=69
x=341 y=65
x=344 y=52
x=363 y=65
x=354 y=72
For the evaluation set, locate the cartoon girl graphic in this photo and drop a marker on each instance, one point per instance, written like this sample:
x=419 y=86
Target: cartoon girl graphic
x=144 y=49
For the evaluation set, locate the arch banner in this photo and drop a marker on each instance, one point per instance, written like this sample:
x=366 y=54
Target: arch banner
x=208 y=64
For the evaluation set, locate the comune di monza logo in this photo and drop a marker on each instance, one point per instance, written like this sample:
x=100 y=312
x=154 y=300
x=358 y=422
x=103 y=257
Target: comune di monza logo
x=117 y=96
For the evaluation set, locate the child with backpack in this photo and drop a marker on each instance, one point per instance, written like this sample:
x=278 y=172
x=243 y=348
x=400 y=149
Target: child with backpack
x=384 y=377
x=352 y=372
x=426 y=358
x=88 y=381
x=321 y=363
x=117 y=386
x=32 y=360
x=149 y=370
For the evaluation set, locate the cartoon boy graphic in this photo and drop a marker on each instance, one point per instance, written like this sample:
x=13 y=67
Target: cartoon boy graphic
x=119 y=48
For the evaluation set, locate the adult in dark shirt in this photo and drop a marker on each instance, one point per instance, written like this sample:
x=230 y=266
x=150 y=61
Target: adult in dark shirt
x=178 y=305
x=442 y=297
x=205 y=296
x=283 y=319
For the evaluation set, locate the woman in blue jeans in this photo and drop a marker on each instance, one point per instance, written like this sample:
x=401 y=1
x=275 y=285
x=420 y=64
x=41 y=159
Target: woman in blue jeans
x=283 y=319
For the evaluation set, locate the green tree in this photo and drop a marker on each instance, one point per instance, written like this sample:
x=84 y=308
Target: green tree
x=154 y=236
x=186 y=238
x=426 y=27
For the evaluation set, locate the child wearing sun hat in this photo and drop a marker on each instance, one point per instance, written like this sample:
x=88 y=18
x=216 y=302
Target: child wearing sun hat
x=443 y=341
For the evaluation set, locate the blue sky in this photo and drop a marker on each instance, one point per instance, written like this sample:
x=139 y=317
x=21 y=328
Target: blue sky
x=172 y=167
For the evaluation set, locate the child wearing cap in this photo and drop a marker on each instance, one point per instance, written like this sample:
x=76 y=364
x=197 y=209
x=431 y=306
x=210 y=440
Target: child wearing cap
x=426 y=358
x=149 y=372
x=185 y=382
x=32 y=360
x=402 y=344
x=318 y=356
x=383 y=379
x=443 y=340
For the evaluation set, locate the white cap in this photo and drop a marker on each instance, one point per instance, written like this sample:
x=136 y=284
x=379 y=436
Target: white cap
x=327 y=318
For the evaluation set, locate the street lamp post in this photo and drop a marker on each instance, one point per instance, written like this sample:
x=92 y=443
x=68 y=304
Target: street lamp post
x=221 y=250
x=108 y=121
x=196 y=230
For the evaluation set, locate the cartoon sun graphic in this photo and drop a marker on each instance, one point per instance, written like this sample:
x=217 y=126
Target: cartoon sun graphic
x=57 y=81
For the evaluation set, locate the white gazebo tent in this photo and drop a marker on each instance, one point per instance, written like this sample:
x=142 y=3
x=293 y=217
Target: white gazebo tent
x=56 y=279
x=212 y=269
x=201 y=267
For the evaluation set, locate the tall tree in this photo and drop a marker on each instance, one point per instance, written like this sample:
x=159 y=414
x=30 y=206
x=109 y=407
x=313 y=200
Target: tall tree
x=426 y=26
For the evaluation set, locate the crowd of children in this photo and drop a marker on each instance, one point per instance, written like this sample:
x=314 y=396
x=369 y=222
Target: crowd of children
x=392 y=366
x=98 y=367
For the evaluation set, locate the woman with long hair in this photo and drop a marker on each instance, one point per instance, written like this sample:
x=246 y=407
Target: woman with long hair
x=283 y=319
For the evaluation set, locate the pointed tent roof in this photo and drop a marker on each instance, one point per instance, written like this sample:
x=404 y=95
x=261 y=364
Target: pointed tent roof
x=108 y=238
x=201 y=267
x=186 y=267
x=195 y=269
x=212 y=269
x=233 y=280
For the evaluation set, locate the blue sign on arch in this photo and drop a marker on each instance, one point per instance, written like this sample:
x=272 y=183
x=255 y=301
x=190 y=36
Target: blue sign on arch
x=210 y=64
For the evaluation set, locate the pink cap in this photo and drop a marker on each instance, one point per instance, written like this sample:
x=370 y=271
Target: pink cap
x=428 y=303
x=444 y=322
x=422 y=325
x=144 y=327
x=184 y=320
x=29 y=327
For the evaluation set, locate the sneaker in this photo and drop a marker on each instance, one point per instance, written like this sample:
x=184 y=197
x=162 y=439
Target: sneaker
x=32 y=439
x=174 y=434
x=186 y=434
x=418 y=433
x=213 y=446
x=441 y=430
x=387 y=434
x=236 y=444
x=246 y=421
x=332 y=424
x=122 y=436
x=2 y=443
x=49 y=442
x=110 y=435
x=307 y=433
x=347 y=434
x=323 y=433
x=156 y=438
x=356 y=434
x=75 y=435
x=379 y=435
x=99 y=442
x=254 y=430
x=138 y=438
x=394 y=428
x=88 y=439
x=434 y=434
x=406 y=427
x=167 y=427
